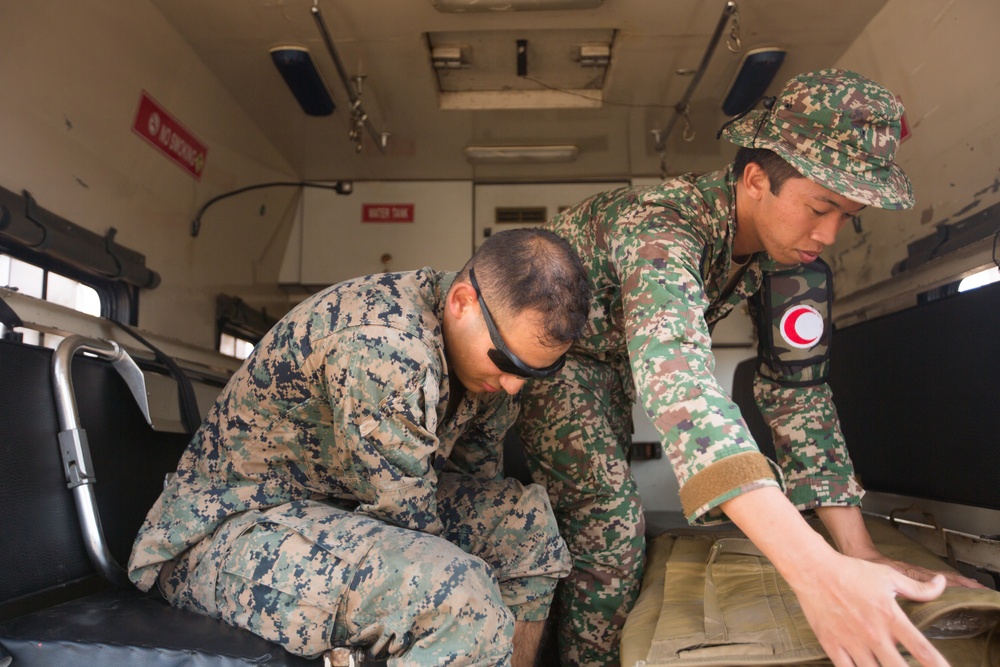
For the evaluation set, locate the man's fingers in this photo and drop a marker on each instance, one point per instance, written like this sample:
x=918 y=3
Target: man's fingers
x=918 y=645
x=921 y=591
x=958 y=580
x=925 y=574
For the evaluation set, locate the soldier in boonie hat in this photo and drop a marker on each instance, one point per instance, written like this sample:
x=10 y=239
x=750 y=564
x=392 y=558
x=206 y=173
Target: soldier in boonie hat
x=837 y=128
x=667 y=262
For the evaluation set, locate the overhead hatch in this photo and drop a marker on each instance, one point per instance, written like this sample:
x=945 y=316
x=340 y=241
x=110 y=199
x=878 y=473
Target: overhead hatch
x=524 y=69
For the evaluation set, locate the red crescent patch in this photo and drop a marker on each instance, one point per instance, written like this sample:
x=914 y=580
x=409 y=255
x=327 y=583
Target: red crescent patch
x=801 y=326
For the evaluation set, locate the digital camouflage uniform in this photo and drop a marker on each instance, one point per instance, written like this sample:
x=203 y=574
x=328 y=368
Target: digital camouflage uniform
x=662 y=273
x=330 y=498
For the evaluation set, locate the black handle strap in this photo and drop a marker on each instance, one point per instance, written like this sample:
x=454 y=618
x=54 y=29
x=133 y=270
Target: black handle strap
x=185 y=391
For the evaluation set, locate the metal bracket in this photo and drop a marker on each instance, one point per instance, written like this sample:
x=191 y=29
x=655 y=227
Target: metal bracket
x=77 y=464
x=344 y=656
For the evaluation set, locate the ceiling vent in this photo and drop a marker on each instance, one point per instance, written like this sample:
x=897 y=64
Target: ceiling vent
x=520 y=214
x=522 y=154
x=458 y=6
x=522 y=69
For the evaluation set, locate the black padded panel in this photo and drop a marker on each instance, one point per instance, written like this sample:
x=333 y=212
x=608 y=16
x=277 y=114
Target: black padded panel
x=918 y=394
x=130 y=460
x=42 y=559
x=39 y=534
x=123 y=628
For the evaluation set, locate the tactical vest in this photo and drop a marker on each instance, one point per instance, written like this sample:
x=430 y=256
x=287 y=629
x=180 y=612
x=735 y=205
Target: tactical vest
x=712 y=599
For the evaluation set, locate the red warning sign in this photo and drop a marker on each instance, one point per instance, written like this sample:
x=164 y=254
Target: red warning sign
x=387 y=213
x=165 y=133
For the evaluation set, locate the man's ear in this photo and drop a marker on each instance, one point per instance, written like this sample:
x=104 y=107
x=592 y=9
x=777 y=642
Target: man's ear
x=461 y=299
x=755 y=181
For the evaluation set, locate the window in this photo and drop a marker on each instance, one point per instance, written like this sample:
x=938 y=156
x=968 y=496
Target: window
x=33 y=236
x=978 y=279
x=40 y=283
x=235 y=347
x=240 y=327
x=984 y=277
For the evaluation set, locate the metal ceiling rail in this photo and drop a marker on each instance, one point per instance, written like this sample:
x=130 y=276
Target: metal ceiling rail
x=359 y=117
x=681 y=108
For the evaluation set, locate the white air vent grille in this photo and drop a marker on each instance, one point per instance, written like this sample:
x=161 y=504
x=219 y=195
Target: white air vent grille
x=521 y=214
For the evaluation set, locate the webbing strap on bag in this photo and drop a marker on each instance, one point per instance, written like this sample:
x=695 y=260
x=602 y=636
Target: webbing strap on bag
x=724 y=604
x=715 y=622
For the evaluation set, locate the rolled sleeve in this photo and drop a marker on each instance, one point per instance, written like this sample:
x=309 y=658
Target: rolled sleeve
x=722 y=481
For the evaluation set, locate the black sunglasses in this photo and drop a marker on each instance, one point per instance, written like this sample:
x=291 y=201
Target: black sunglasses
x=500 y=355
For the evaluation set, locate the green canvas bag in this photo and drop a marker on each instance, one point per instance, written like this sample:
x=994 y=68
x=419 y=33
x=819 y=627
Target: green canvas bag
x=712 y=599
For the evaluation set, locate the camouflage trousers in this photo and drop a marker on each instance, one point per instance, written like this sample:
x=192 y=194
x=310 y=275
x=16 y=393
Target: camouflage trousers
x=309 y=575
x=577 y=428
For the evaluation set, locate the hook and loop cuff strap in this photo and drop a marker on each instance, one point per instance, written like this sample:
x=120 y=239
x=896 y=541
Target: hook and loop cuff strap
x=703 y=491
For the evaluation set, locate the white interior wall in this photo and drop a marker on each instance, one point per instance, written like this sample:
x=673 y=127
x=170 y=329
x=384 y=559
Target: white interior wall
x=72 y=75
x=553 y=197
x=939 y=57
x=331 y=242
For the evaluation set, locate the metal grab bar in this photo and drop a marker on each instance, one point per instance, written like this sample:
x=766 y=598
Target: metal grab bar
x=359 y=118
x=73 y=445
x=681 y=108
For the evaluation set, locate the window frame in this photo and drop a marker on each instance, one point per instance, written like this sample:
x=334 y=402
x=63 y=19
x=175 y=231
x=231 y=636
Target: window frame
x=119 y=301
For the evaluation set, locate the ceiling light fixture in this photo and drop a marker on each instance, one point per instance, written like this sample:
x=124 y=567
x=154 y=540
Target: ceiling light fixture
x=511 y=5
x=299 y=72
x=450 y=57
x=524 y=154
x=595 y=55
x=754 y=75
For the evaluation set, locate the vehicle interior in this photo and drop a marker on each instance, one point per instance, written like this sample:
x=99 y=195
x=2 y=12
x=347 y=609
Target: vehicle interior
x=179 y=174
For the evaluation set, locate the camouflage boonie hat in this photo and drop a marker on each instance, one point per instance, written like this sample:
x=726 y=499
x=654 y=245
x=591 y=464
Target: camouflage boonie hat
x=838 y=129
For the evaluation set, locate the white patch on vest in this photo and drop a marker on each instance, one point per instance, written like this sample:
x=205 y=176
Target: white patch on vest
x=801 y=326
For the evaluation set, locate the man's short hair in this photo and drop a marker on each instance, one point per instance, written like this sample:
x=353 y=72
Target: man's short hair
x=777 y=169
x=532 y=268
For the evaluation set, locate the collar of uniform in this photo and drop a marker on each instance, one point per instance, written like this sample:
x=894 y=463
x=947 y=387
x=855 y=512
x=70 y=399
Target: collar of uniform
x=718 y=193
x=731 y=194
x=445 y=279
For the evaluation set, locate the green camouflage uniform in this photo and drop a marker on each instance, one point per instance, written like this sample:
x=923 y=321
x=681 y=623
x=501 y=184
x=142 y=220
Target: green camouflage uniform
x=660 y=262
x=331 y=498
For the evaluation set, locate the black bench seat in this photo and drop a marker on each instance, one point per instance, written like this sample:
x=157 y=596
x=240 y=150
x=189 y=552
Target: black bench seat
x=125 y=627
x=55 y=608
